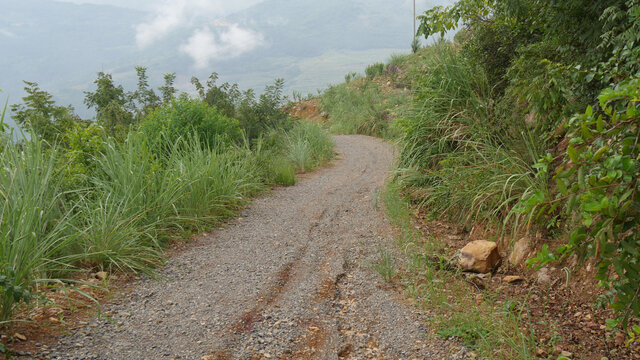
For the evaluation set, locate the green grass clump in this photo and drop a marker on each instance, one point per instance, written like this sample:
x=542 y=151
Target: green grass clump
x=463 y=157
x=135 y=201
x=374 y=70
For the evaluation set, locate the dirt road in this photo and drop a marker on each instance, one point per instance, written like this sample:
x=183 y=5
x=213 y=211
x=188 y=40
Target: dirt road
x=290 y=279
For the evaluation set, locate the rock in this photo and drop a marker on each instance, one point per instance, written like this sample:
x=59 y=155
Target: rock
x=20 y=337
x=479 y=256
x=208 y=357
x=100 y=275
x=543 y=276
x=520 y=251
x=566 y=354
x=512 y=279
x=541 y=352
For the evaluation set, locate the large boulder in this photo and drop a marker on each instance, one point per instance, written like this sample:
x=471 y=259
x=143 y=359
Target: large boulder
x=479 y=256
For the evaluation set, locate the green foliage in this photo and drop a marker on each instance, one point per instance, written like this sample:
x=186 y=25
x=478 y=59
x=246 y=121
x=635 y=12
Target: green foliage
x=186 y=117
x=168 y=91
x=144 y=97
x=597 y=186
x=308 y=146
x=114 y=109
x=82 y=143
x=374 y=70
x=34 y=224
x=40 y=114
x=362 y=108
x=110 y=195
x=256 y=116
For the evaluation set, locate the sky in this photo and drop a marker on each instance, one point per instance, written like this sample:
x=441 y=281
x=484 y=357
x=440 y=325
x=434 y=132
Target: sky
x=63 y=47
x=215 y=40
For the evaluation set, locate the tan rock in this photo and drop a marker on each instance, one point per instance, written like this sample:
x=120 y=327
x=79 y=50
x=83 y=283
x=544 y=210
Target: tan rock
x=520 y=251
x=510 y=279
x=20 y=337
x=566 y=354
x=479 y=256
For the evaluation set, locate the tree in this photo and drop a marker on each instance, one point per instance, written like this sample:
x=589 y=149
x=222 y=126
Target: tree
x=40 y=114
x=113 y=106
x=145 y=97
x=168 y=91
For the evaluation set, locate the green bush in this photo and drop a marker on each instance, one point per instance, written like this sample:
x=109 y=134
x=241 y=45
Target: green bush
x=185 y=117
x=598 y=188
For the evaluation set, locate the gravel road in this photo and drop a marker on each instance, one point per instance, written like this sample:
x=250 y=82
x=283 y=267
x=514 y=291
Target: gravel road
x=291 y=278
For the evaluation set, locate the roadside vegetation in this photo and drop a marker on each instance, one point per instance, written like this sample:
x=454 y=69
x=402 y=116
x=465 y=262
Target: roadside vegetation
x=525 y=128
x=109 y=195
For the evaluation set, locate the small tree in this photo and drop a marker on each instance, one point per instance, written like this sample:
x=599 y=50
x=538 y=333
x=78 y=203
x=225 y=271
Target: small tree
x=168 y=91
x=40 y=114
x=113 y=106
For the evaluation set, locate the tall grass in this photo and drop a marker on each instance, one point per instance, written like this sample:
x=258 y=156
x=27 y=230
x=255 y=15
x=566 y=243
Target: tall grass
x=460 y=154
x=35 y=225
x=137 y=200
x=362 y=107
x=308 y=146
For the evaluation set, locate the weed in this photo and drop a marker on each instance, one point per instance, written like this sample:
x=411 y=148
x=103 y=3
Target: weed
x=385 y=265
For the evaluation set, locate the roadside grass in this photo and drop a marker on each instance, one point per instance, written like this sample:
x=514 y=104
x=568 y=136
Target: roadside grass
x=135 y=202
x=366 y=106
x=493 y=329
x=463 y=156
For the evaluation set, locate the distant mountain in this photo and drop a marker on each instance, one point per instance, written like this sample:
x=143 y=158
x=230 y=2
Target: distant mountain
x=310 y=43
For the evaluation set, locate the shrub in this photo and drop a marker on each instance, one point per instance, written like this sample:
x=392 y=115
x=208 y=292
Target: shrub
x=597 y=185
x=188 y=117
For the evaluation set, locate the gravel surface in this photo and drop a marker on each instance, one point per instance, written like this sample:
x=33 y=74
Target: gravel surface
x=289 y=279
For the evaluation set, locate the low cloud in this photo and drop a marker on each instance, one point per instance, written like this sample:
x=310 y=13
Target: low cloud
x=171 y=15
x=227 y=41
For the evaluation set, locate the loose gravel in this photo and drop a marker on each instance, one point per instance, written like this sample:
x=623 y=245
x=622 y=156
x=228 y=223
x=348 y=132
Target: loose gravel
x=291 y=278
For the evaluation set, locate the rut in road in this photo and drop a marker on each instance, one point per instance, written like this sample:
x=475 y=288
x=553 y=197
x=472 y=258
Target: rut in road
x=290 y=279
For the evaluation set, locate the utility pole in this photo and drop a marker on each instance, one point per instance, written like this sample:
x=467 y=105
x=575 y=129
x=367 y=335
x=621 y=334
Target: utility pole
x=414 y=19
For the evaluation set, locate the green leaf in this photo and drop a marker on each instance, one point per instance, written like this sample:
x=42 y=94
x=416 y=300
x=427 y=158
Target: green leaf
x=573 y=154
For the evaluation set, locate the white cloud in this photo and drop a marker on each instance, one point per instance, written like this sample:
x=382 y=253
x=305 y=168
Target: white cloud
x=170 y=15
x=7 y=33
x=230 y=41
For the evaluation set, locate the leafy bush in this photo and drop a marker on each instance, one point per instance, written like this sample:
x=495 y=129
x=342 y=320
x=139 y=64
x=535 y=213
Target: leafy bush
x=597 y=185
x=185 y=117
